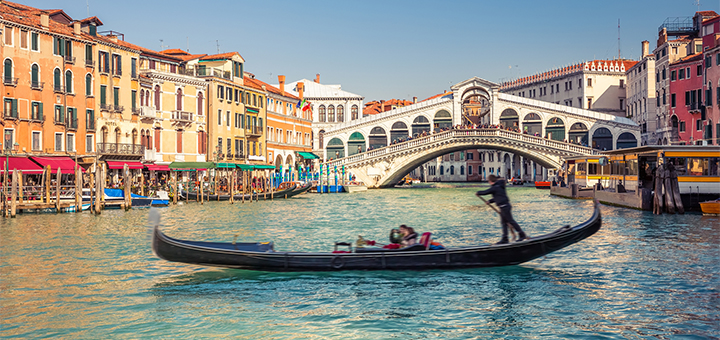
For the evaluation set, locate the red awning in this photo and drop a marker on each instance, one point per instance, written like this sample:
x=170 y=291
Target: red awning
x=158 y=167
x=120 y=165
x=22 y=163
x=66 y=164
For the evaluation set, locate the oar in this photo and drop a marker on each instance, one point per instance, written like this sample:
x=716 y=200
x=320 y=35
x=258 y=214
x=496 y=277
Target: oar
x=512 y=231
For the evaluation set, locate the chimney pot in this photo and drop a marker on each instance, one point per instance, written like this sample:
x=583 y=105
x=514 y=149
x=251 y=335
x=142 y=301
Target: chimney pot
x=645 y=48
x=45 y=20
x=76 y=28
x=317 y=78
x=301 y=90
x=281 y=81
x=414 y=100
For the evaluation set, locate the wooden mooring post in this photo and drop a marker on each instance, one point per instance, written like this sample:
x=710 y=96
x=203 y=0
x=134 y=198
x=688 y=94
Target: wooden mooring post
x=126 y=181
x=58 y=177
x=20 y=187
x=46 y=176
x=231 y=186
x=78 y=189
x=13 y=194
x=98 y=189
x=175 y=186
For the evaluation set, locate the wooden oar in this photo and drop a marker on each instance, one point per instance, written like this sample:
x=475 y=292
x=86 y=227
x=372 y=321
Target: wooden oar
x=512 y=230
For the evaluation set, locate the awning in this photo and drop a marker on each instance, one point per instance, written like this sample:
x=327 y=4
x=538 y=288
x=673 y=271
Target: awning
x=264 y=167
x=252 y=110
x=120 y=165
x=245 y=167
x=22 y=163
x=307 y=155
x=225 y=165
x=191 y=165
x=157 y=167
x=66 y=164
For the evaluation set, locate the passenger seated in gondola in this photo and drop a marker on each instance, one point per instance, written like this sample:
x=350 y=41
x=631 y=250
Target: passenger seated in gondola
x=409 y=236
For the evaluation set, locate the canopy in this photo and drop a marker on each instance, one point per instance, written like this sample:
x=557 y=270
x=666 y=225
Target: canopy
x=226 y=165
x=307 y=155
x=157 y=167
x=191 y=165
x=22 y=163
x=121 y=164
x=245 y=167
x=264 y=167
x=66 y=164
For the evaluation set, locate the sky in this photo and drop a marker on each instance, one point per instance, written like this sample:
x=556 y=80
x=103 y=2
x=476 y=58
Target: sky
x=390 y=49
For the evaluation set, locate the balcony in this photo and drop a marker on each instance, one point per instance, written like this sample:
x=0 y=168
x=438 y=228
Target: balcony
x=37 y=85
x=207 y=72
x=59 y=120
x=120 y=149
x=10 y=114
x=117 y=108
x=89 y=63
x=694 y=107
x=69 y=60
x=71 y=124
x=106 y=107
x=148 y=112
x=182 y=116
x=90 y=125
x=239 y=157
x=254 y=130
x=10 y=81
x=136 y=110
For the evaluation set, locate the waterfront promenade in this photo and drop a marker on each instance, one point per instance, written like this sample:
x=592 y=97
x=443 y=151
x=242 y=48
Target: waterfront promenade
x=87 y=276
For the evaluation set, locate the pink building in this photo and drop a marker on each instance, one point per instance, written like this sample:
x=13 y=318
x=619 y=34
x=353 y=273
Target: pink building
x=686 y=86
x=711 y=46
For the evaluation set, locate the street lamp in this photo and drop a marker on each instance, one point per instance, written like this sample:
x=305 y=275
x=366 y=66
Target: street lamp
x=7 y=151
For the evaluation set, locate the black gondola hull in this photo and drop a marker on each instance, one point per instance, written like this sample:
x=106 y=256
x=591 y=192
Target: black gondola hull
x=286 y=193
x=258 y=257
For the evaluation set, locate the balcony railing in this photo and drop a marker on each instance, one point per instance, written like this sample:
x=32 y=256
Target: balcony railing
x=117 y=108
x=71 y=124
x=148 y=111
x=11 y=114
x=694 y=107
x=10 y=81
x=37 y=85
x=59 y=120
x=89 y=63
x=106 y=107
x=182 y=115
x=136 y=110
x=90 y=125
x=58 y=88
x=68 y=59
x=207 y=72
x=239 y=156
x=120 y=149
x=254 y=130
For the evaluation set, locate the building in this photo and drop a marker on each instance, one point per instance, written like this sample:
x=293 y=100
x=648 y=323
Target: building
x=48 y=75
x=642 y=99
x=379 y=106
x=597 y=85
x=330 y=106
x=711 y=54
x=172 y=110
x=289 y=126
x=686 y=86
x=255 y=119
x=686 y=42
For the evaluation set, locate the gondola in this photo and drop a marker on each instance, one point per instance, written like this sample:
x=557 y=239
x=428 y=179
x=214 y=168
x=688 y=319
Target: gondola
x=262 y=256
x=287 y=192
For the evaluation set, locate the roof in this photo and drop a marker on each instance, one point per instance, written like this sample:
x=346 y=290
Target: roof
x=30 y=16
x=270 y=88
x=221 y=56
x=317 y=90
x=96 y=20
x=690 y=58
x=594 y=65
x=253 y=83
x=437 y=96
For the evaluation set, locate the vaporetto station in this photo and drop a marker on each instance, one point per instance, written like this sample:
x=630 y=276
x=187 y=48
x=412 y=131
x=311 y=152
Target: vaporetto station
x=546 y=133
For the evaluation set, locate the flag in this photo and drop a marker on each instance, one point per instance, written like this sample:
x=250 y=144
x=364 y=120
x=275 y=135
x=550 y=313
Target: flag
x=306 y=106
x=299 y=104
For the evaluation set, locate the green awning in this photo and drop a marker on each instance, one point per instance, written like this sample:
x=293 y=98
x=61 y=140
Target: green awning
x=252 y=110
x=307 y=155
x=244 y=166
x=225 y=165
x=264 y=167
x=191 y=165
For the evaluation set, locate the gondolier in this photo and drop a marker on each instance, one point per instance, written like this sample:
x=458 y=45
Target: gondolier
x=497 y=189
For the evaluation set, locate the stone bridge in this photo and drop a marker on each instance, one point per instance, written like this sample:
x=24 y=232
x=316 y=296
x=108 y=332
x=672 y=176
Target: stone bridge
x=385 y=166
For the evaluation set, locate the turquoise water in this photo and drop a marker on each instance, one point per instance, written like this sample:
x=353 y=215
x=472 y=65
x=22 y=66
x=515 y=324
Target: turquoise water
x=82 y=276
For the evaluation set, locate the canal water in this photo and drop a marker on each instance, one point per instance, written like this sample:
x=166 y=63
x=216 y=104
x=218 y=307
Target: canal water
x=82 y=276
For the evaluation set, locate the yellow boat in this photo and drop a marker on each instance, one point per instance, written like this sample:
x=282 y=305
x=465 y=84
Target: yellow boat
x=710 y=207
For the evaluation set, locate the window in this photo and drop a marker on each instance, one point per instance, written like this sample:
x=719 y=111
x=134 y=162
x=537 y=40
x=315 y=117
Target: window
x=219 y=117
x=68 y=82
x=88 y=54
x=57 y=86
x=88 y=143
x=35 y=77
x=58 y=142
x=200 y=104
x=699 y=70
x=237 y=95
x=179 y=100
x=708 y=61
x=36 y=141
x=157 y=97
x=59 y=114
x=589 y=84
x=23 y=39
x=36 y=113
x=90 y=119
x=71 y=119
x=179 y=142
x=708 y=95
x=687 y=72
x=681 y=126
x=462 y=170
x=8 y=36
x=103 y=95
x=116 y=97
x=117 y=64
x=672 y=100
x=104 y=63
x=673 y=75
x=34 y=41
x=70 y=144
x=227 y=118
x=10 y=107
x=229 y=94
x=133 y=67
x=133 y=99
x=622 y=104
x=321 y=113
x=687 y=98
x=698 y=125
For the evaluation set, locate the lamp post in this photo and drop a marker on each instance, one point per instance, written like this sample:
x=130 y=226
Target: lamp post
x=9 y=149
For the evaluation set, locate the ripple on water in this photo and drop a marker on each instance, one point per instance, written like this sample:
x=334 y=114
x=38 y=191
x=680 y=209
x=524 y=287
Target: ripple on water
x=82 y=276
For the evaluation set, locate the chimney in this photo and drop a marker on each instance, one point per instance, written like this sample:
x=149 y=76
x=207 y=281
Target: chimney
x=281 y=81
x=645 y=48
x=317 y=78
x=414 y=100
x=44 y=20
x=382 y=106
x=662 y=37
x=76 y=27
x=301 y=90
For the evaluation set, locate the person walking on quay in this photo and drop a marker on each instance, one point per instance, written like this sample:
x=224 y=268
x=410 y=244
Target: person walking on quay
x=497 y=189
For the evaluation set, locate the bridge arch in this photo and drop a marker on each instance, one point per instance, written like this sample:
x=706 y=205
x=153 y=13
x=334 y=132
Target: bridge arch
x=398 y=131
x=335 y=148
x=509 y=118
x=578 y=133
x=626 y=140
x=356 y=143
x=377 y=138
x=420 y=124
x=443 y=119
x=532 y=124
x=555 y=129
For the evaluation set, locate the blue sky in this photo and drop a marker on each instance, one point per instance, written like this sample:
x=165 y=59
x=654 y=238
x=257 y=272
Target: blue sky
x=391 y=49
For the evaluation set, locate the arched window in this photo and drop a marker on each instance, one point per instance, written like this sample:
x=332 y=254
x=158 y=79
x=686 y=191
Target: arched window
x=88 y=85
x=179 y=97
x=142 y=103
x=7 y=71
x=57 y=81
x=354 y=112
x=340 y=114
x=134 y=136
x=200 y=104
x=68 y=82
x=35 y=76
x=331 y=113
x=118 y=135
x=157 y=97
x=462 y=170
x=321 y=113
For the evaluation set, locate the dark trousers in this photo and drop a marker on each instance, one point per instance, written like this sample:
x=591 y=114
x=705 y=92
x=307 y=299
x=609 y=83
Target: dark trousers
x=507 y=219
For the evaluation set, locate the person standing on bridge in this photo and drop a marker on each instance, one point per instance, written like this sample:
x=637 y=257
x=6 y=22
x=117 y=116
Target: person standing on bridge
x=497 y=189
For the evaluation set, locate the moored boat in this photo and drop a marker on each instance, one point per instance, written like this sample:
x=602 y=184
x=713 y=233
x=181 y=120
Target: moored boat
x=263 y=256
x=710 y=207
x=284 y=193
x=542 y=185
